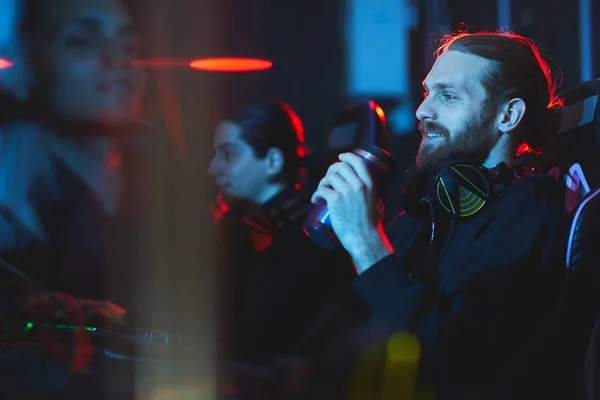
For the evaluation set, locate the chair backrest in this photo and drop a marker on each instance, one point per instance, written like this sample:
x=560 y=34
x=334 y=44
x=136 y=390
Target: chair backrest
x=575 y=161
x=361 y=122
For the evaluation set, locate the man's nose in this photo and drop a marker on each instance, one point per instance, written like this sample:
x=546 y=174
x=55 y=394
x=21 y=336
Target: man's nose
x=426 y=110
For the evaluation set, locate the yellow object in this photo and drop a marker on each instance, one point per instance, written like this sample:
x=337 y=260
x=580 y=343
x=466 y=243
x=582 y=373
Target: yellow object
x=401 y=365
x=388 y=370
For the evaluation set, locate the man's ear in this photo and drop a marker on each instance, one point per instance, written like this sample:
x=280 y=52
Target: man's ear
x=510 y=115
x=275 y=161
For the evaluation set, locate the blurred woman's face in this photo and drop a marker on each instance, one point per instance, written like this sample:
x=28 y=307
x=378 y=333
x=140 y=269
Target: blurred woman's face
x=83 y=62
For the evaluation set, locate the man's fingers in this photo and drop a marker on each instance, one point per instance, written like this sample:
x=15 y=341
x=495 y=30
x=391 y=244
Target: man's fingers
x=342 y=178
x=324 y=193
x=349 y=175
x=359 y=166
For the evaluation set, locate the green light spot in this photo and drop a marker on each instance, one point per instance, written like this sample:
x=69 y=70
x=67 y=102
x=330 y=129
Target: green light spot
x=31 y=325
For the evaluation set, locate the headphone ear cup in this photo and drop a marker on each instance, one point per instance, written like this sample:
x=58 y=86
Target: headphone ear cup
x=416 y=195
x=462 y=189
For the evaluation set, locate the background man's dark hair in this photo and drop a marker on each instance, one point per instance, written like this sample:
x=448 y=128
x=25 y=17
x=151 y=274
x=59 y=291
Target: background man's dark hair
x=273 y=123
x=518 y=71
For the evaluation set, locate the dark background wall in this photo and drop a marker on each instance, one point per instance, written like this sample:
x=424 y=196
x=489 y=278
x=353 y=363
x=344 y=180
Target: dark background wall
x=303 y=39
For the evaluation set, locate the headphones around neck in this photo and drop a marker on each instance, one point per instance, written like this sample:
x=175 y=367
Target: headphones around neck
x=459 y=189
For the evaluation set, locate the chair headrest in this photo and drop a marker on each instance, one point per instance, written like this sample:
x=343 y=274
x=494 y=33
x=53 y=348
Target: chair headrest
x=581 y=101
x=361 y=122
x=578 y=141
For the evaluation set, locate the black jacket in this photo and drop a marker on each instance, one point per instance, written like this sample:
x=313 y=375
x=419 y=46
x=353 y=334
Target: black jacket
x=275 y=279
x=478 y=304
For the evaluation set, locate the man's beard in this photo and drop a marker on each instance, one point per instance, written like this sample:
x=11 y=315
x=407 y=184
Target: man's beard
x=472 y=143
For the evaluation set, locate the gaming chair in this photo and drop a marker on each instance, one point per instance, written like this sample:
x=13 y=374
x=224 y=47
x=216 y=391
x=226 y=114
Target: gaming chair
x=338 y=328
x=576 y=161
x=357 y=123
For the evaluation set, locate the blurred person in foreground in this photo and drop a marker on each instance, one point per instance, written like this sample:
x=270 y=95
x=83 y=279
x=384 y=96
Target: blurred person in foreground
x=69 y=105
x=72 y=102
x=477 y=295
